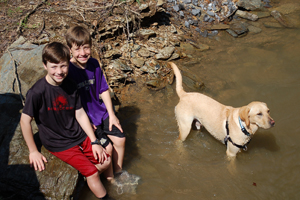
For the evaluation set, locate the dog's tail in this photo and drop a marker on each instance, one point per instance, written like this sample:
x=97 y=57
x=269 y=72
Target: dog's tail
x=179 y=88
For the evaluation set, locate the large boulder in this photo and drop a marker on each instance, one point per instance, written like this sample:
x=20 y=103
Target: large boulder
x=17 y=179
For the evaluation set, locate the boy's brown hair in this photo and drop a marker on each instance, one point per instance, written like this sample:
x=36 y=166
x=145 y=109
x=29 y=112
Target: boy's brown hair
x=55 y=52
x=78 y=35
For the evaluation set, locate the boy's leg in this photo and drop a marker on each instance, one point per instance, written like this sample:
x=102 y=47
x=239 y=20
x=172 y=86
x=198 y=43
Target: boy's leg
x=108 y=173
x=81 y=158
x=95 y=185
x=118 y=152
x=118 y=139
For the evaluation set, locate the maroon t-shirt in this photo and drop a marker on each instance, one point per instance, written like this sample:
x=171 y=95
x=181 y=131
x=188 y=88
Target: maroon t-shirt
x=53 y=108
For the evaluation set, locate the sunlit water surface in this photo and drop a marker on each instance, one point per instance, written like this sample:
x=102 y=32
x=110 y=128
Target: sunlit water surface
x=263 y=67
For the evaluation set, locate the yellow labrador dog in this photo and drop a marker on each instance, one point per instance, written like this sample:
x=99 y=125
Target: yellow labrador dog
x=232 y=126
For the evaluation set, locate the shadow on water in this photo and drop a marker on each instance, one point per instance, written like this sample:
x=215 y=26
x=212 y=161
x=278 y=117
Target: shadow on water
x=265 y=140
x=16 y=181
x=128 y=116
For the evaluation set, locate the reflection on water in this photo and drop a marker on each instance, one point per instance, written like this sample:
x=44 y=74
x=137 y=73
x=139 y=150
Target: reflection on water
x=262 y=67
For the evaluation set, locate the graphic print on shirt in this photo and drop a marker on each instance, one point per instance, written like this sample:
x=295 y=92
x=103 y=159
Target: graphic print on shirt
x=86 y=84
x=60 y=103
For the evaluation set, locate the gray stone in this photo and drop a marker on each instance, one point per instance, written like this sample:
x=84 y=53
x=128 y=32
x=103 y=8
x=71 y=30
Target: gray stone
x=146 y=33
x=239 y=28
x=160 y=3
x=232 y=33
x=196 y=12
x=187 y=24
x=138 y=62
x=176 y=8
x=112 y=53
x=210 y=13
x=165 y=53
x=29 y=67
x=250 y=4
x=254 y=29
x=181 y=13
x=187 y=1
x=246 y=15
x=144 y=52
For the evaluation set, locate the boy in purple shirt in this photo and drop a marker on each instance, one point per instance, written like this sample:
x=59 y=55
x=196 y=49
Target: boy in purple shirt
x=91 y=83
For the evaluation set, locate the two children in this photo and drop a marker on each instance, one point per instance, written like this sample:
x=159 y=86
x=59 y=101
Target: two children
x=64 y=127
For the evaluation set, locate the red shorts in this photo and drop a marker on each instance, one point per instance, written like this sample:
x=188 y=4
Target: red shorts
x=80 y=157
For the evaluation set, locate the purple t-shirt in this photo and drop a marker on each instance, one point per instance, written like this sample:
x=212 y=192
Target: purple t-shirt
x=90 y=84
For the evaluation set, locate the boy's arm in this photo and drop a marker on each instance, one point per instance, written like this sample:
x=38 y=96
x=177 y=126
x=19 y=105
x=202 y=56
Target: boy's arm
x=113 y=120
x=36 y=159
x=83 y=120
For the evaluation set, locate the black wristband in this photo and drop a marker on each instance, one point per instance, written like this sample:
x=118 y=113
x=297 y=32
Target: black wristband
x=97 y=141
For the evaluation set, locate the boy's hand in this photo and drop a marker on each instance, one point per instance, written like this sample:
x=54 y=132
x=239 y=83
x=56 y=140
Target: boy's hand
x=99 y=153
x=113 y=120
x=37 y=160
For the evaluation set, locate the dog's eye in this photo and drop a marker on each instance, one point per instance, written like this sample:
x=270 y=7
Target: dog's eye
x=259 y=114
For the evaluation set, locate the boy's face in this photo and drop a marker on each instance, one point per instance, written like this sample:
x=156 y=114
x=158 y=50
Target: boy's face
x=80 y=54
x=56 y=72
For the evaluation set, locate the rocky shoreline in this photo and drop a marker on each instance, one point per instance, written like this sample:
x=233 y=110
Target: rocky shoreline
x=133 y=43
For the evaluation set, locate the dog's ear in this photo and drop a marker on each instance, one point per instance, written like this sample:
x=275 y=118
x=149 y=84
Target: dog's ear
x=244 y=111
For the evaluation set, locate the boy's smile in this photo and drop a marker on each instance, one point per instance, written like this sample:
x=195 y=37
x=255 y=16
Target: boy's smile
x=56 y=72
x=81 y=54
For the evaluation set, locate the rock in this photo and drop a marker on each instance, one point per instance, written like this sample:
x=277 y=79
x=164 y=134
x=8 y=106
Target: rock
x=151 y=66
x=196 y=12
x=138 y=62
x=174 y=56
x=254 y=29
x=250 y=4
x=143 y=7
x=199 y=46
x=165 y=53
x=187 y=24
x=246 y=15
x=232 y=33
x=218 y=27
x=112 y=53
x=144 y=52
x=29 y=61
x=159 y=3
x=281 y=19
x=240 y=28
x=146 y=33
x=261 y=14
x=272 y=25
x=120 y=65
x=172 y=29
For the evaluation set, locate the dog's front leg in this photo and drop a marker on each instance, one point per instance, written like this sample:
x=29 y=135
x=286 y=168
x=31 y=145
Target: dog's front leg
x=232 y=150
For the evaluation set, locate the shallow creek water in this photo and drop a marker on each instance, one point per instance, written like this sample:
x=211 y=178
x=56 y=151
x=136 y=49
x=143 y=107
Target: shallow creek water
x=263 y=67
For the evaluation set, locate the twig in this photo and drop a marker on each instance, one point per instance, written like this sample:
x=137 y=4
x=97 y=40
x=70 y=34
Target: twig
x=17 y=77
x=80 y=14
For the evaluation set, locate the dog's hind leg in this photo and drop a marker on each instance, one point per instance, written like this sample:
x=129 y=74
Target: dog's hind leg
x=184 y=125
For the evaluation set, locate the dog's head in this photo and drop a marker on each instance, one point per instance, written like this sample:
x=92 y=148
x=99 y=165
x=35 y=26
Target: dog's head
x=257 y=113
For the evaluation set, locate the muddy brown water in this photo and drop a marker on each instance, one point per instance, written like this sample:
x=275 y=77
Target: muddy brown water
x=263 y=67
